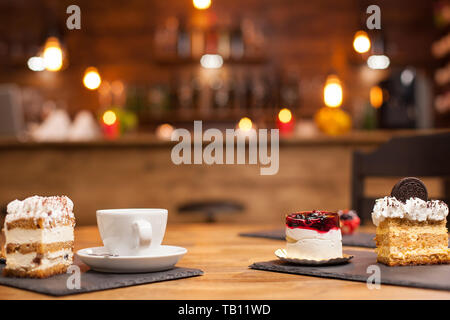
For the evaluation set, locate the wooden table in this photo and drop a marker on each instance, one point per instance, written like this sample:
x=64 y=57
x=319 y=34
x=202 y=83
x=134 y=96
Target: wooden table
x=224 y=257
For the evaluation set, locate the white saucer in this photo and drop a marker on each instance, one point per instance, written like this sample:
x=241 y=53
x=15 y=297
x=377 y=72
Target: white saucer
x=164 y=258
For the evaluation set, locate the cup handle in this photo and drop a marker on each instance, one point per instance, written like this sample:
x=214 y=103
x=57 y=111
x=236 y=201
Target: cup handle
x=144 y=232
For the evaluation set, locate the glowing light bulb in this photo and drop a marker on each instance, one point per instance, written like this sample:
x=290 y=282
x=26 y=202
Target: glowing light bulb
x=407 y=77
x=92 y=79
x=109 y=117
x=53 y=55
x=376 y=96
x=361 y=42
x=164 y=131
x=332 y=92
x=285 y=115
x=245 y=124
x=36 y=64
x=378 y=62
x=201 y=4
x=211 y=61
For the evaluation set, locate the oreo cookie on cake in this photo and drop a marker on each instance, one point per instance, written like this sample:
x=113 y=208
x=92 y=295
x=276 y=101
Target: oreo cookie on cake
x=408 y=188
x=411 y=229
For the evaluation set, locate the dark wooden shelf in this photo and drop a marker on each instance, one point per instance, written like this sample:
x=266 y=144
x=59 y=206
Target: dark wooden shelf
x=177 y=61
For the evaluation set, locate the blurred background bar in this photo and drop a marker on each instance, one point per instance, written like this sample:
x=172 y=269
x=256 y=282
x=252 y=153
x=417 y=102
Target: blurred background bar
x=89 y=112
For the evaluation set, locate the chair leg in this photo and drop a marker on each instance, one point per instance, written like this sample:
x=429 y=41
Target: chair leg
x=446 y=196
x=210 y=217
x=358 y=187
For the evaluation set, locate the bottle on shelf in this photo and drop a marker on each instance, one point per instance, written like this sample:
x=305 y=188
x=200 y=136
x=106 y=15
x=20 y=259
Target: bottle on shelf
x=237 y=44
x=197 y=43
x=211 y=43
x=183 y=41
x=171 y=36
x=196 y=92
x=223 y=46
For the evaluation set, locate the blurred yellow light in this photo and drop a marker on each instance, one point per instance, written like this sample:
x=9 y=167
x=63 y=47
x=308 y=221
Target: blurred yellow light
x=164 y=131
x=109 y=117
x=332 y=92
x=53 y=55
x=361 y=42
x=333 y=121
x=245 y=124
x=201 y=4
x=376 y=96
x=285 y=115
x=92 y=79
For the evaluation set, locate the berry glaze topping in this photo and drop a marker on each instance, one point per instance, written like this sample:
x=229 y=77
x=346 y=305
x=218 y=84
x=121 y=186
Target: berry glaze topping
x=320 y=221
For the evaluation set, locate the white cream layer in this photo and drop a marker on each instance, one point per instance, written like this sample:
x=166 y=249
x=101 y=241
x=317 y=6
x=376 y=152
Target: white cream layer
x=313 y=245
x=22 y=236
x=18 y=260
x=414 y=209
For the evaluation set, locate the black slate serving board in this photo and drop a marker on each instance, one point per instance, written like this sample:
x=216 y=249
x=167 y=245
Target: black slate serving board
x=95 y=281
x=427 y=276
x=358 y=239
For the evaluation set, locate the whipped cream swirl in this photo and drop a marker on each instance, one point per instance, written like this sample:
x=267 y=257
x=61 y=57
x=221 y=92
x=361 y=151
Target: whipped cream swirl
x=414 y=209
x=47 y=208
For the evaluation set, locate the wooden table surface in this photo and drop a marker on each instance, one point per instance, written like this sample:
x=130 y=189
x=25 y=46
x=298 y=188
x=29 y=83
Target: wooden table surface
x=224 y=257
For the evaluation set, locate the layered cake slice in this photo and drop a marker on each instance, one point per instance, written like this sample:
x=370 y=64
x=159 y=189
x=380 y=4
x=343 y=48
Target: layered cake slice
x=313 y=235
x=410 y=229
x=39 y=236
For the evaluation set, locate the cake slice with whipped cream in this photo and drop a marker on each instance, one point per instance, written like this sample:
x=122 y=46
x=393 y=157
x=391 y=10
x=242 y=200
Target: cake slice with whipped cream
x=313 y=235
x=39 y=236
x=411 y=229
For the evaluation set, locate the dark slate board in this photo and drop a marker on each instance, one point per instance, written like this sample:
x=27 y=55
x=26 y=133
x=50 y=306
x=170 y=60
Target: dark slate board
x=95 y=281
x=358 y=239
x=428 y=276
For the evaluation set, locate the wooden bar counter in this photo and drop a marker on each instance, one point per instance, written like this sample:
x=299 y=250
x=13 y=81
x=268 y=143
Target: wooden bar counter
x=224 y=257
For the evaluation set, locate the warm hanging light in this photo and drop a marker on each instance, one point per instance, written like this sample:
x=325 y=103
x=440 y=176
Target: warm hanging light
x=376 y=96
x=332 y=92
x=52 y=55
x=245 y=124
x=92 y=79
x=361 y=42
x=201 y=4
x=285 y=115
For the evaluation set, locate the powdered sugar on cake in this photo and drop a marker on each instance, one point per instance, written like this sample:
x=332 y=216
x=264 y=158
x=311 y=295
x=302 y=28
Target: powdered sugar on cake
x=50 y=209
x=414 y=209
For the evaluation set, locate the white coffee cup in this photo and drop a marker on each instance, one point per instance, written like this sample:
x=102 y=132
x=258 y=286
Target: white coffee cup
x=132 y=232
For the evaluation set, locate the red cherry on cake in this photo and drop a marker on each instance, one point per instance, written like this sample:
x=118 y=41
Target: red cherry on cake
x=349 y=221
